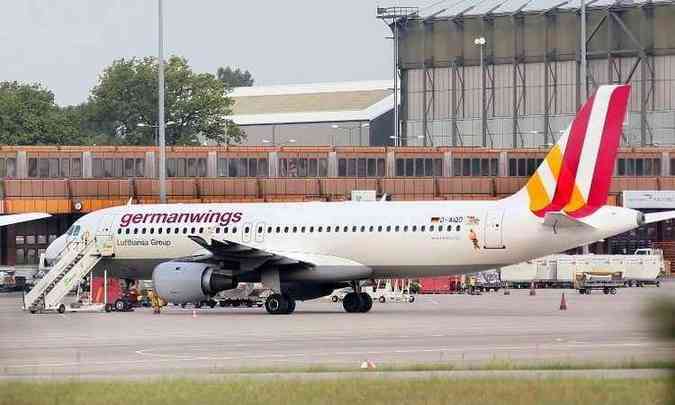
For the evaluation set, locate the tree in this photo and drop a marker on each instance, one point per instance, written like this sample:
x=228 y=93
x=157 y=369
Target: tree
x=29 y=116
x=234 y=78
x=195 y=103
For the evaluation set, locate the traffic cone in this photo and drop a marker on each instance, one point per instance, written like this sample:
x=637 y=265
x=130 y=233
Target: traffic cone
x=563 y=303
x=533 y=291
x=194 y=313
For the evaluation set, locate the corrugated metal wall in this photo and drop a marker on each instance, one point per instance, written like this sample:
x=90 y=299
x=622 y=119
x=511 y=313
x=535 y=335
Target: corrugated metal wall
x=534 y=54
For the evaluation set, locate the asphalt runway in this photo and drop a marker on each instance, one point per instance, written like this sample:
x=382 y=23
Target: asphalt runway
x=436 y=328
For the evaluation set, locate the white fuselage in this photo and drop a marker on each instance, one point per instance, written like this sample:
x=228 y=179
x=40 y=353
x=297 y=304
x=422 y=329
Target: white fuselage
x=392 y=239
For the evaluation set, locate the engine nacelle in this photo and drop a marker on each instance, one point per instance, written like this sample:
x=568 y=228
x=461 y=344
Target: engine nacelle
x=181 y=282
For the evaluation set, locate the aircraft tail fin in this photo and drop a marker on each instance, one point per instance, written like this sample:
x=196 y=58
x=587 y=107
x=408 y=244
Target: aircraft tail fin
x=575 y=176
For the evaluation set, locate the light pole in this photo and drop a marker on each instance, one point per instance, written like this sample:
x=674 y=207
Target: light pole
x=584 y=73
x=160 y=119
x=480 y=42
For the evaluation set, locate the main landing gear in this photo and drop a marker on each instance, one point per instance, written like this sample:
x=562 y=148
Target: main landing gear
x=280 y=304
x=357 y=301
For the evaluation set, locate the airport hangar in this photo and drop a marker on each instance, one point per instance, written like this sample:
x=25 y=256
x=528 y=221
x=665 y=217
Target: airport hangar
x=303 y=143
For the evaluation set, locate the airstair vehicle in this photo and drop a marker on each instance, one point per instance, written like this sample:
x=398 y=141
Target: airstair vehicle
x=77 y=260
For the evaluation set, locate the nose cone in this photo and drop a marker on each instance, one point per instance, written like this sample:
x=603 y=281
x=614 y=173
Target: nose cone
x=55 y=248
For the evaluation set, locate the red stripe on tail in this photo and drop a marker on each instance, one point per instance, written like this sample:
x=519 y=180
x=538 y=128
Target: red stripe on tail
x=609 y=145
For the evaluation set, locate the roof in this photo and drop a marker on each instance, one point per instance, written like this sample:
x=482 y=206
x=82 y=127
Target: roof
x=448 y=8
x=316 y=102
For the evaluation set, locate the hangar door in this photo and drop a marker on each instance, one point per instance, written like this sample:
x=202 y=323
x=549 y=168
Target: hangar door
x=493 y=230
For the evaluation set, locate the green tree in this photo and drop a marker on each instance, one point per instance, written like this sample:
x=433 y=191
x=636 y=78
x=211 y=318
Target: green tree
x=234 y=78
x=29 y=116
x=126 y=96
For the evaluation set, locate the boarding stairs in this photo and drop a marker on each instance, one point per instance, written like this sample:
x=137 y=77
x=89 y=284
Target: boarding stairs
x=74 y=263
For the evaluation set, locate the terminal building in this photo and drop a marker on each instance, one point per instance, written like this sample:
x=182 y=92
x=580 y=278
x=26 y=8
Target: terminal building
x=319 y=142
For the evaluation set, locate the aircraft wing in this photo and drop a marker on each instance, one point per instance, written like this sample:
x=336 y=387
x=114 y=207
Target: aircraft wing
x=250 y=258
x=558 y=220
x=659 y=216
x=18 y=218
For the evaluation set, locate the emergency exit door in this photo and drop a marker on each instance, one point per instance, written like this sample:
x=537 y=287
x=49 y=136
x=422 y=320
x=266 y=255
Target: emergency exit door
x=493 y=230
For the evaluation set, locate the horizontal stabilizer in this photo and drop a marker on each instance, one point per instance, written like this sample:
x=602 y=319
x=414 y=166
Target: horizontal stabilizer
x=558 y=220
x=659 y=216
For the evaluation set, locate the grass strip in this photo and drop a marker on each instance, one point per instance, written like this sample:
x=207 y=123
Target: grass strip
x=346 y=391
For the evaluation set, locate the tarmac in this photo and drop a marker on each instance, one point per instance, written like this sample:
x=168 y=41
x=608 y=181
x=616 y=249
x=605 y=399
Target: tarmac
x=458 y=329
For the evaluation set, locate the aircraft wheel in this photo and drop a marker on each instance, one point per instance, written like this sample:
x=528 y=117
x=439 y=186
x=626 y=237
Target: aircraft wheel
x=366 y=302
x=334 y=298
x=222 y=303
x=658 y=284
x=382 y=300
x=61 y=309
x=108 y=307
x=290 y=304
x=276 y=304
x=351 y=302
x=212 y=304
x=606 y=291
x=411 y=299
x=612 y=291
x=120 y=305
x=198 y=304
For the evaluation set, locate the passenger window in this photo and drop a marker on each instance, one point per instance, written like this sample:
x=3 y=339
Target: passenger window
x=285 y=229
x=345 y=229
x=431 y=228
x=278 y=229
x=152 y=231
x=269 y=229
x=414 y=228
x=337 y=229
x=302 y=229
x=457 y=228
x=128 y=231
x=422 y=228
x=319 y=229
x=295 y=229
x=371 y=228
x=396 y=229
x=143 y=231
x=159 y=230
x=379 y=228
x=234 y=229
x=328 y=229
x=311 y=229
x=260 y=229
x=246 y=229
x=119 y=231
x=176 y=230
x=405 y=228
x=226 y=230
x=217 y=230
x=449 y=228
x=184 y=231
x=192 y=231
x=388 y=228
x=201 y=230
x=354 y=228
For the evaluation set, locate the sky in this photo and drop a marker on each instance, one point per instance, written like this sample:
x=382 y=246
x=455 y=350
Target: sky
x=65 y=44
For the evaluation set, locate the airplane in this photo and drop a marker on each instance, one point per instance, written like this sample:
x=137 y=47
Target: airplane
x=306 y=250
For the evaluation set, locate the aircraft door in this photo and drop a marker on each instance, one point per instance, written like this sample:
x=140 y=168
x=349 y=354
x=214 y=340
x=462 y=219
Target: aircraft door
x=493 y=230
x=260 y=232
x=105 y=234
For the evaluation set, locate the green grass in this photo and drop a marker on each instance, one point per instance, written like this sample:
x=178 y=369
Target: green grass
x=494 y=364
x=339 y=392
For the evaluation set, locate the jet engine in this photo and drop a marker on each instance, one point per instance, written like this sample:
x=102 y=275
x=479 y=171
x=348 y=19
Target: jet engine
x=181 y=282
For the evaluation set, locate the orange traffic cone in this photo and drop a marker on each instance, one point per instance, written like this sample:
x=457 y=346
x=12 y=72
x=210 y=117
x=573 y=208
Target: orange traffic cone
x=563 y=303
x=532 y=290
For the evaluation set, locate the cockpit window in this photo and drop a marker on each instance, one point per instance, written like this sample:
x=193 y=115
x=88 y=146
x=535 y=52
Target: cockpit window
x=70 y=230
x=76 y=230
